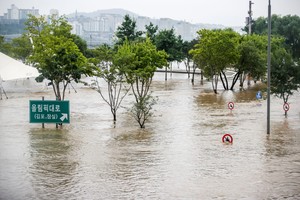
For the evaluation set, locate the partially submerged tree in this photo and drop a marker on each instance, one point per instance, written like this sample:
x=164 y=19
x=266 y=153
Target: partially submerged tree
x=168 y=41
x=216 y=51
x=139 y=61
x=190 y=65
x=113 y=76
x=55 y=54
x=284 y=73
x=252 y=58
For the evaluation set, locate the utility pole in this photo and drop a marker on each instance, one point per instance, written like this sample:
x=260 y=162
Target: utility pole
x=250 y=17
x=269 y=67
x=249 y=24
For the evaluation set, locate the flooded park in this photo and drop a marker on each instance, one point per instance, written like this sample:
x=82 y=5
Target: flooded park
x=179 y=154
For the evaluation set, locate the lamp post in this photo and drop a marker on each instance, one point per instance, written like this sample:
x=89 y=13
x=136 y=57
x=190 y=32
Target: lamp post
x=269 y=67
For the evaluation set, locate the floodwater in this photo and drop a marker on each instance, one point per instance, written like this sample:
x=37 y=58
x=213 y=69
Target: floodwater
x=179 y=155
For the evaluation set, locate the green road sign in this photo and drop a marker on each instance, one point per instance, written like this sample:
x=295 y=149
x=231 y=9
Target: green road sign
x=49 y=111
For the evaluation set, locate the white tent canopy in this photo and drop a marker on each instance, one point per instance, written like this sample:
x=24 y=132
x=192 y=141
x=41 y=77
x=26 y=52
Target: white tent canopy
x=11 y=69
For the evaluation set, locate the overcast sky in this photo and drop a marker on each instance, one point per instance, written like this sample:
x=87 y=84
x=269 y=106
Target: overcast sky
x=228 y=13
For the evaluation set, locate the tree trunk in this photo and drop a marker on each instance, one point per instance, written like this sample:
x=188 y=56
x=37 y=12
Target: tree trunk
x=225 y=84
x=234 y=80
x=115 y=117
x=187 y=66
x=241 y=79
x=193 y=74
x=201 y=77
x=166 y=74
x=215 y=83
x=248 y=79
x=285 y=100
x=193 y=77
x=212 y=83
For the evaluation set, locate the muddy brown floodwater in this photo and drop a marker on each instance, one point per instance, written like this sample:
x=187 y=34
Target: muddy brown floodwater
x=179 y=155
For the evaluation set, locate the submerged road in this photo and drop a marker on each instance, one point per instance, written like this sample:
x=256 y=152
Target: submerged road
x=179 y=155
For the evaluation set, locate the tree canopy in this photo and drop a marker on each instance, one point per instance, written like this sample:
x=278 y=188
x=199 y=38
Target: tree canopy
x=286 y=26
x=21 y=48
x=284 y=72
x=127 y=31
x=5 y=47
x=138 y=61
x=168 y=41
x=109 y=71
x=252 y=58
x=55 y=54
x=216 y=50
x=151 y=31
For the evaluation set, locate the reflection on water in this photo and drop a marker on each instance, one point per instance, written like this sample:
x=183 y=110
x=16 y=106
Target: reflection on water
x=179 y=155
x=51 y=159
x=282 y=149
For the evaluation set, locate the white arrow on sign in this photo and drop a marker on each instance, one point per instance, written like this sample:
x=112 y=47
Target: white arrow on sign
x=64 y=116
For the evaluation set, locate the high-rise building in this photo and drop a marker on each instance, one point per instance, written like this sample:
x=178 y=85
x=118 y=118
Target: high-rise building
x=15 y=13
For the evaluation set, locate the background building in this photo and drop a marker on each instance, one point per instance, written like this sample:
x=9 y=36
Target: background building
x=14 y=13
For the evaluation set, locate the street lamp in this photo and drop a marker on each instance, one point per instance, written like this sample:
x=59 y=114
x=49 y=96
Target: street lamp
x=269 y=67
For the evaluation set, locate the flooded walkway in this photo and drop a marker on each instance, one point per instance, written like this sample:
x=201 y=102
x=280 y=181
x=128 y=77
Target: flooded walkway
x=179 y=155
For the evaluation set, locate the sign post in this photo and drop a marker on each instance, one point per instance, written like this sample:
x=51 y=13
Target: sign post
x=286 y=108
x=49 y=111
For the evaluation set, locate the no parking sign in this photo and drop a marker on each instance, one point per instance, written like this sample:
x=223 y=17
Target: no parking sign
x=230 y=105
x=227 y=138
x=286 y=107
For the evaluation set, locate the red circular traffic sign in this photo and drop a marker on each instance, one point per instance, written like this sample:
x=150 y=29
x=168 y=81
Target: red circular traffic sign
x=231 y=105
x=286 y=107
x=227 y=138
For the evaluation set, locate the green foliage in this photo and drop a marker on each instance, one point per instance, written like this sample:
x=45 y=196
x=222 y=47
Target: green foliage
x=127 y=31
x=188 y=58
x=216 y=50
x=167 y=40
x=139 y=61
x=286 y=26
x=112 y=75
x=252 y=57
x=21 y=47
x=81 y=44
x=284 y=73
x=187 y=46
x=55 y=54
x=285 y=51
x=142 y=109
x=151 y=31
x=104 y=55
x=5 y=47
